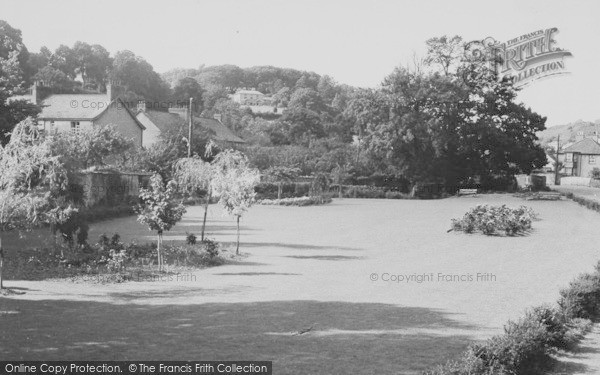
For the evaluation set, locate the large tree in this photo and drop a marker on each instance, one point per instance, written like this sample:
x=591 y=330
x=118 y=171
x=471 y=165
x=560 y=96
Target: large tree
x=446 y=127
x=138 y=78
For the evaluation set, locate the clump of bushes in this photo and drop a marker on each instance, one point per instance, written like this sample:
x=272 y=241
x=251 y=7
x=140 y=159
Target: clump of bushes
x=526 y=345
x=302 y=201
x=491 y=220
x=581 y=299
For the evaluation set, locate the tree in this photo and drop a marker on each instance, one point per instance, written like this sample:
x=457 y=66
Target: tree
x=280 y=175
x=54 y=78
x=11 y=42
x=64 y=59
x=138 y=78
x=158 y=210
x=444 y=129
x=319 y=186
x=188 y=88
x=93 y=147
x=234 y=183
x=30 y=178
x=193 y=175
x=444 y=51
x=11 y=80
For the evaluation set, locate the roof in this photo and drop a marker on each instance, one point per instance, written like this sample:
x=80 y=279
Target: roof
x=80 y=107
x=164 y=120
x=221 y=132
x=73 y=106
x=586 y=146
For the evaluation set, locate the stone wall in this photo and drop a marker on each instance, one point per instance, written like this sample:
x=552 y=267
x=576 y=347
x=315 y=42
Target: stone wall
x=111 y=188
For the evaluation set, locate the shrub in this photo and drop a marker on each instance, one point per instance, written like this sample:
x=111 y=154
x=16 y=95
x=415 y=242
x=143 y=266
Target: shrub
x=211 y=247
x=303 y=201
x=520 y=350
x=190 y=238
x=496 y=219
x=581 y=299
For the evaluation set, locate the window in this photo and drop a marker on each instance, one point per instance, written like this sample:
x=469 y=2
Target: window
x=75 y=128
x=592 y=159
x=569 y=157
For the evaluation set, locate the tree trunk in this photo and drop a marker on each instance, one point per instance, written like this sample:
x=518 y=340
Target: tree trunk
x=1 y=263
x=279 y=189
x=414 y=190
x=237 y=249
x=208 y=196
x=159 y=252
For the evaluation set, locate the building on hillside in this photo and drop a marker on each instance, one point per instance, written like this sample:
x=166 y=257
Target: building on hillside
x=157 y=122
x=248 y=97
x=580 y=158
x=76 y=112
x=257 y=102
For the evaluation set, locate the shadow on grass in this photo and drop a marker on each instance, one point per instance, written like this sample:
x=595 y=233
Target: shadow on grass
x=84 y=330
x=323 y=257
x=291 y=246
x=256 y=274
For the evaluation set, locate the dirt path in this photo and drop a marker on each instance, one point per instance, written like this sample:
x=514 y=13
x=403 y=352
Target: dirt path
x=585 y=360
x=334 y=269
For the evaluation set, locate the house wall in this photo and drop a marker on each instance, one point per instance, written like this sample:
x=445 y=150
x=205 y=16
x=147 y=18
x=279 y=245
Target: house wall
x=587 y=163
x=123 y=122
x=152 y=132
x=62 y=126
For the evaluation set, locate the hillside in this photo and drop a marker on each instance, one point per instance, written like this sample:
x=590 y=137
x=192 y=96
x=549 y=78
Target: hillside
x=568 y=131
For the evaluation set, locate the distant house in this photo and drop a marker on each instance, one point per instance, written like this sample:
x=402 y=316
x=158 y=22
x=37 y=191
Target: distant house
x=580 y=158
x=248 y=97
x=157 y=122
x=76 y=112
x=258 y=102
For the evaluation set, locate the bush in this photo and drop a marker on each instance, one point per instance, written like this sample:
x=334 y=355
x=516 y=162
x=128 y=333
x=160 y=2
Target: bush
x=526 y=344
x=495 y=219
x=303 y=201
x=581 y=299
x=211 y=247
x=191 y=238
x=266 y=190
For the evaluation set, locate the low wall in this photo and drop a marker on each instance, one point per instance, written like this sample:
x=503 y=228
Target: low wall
x=576 y=181
x=110 y=188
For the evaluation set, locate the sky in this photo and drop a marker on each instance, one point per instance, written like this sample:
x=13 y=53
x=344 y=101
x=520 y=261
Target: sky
x=357 y=42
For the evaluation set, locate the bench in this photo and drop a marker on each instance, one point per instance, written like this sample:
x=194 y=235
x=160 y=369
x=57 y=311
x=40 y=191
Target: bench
x=467 y=192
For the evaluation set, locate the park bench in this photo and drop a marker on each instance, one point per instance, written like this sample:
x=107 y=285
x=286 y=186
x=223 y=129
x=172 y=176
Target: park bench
x=467 y=192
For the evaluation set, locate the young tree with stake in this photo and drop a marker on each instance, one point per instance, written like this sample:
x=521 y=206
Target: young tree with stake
x=234 y=182
x=192 y=175
x=158 y=210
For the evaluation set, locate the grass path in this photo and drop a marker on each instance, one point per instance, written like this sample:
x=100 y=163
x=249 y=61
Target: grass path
x=312 y=268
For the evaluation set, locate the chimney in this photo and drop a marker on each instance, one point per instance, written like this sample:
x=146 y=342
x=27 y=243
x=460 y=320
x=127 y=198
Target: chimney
x=141 y=107
x=217 y=117
x=579 y=137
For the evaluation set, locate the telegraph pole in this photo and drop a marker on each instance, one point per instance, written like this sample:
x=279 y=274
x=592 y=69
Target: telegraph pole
x=190 y=125
x=556 y=177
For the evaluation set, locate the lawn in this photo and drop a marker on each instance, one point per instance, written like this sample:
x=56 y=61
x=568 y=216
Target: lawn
x=313 y=268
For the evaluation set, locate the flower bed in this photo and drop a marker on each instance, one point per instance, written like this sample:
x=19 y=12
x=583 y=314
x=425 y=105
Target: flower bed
x=492 y=220
x=302 y=201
